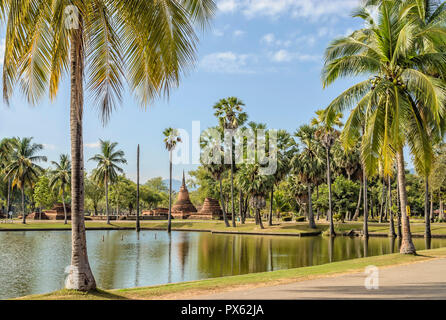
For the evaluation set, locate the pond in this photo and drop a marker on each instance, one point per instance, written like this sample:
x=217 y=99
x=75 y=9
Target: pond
x=33 y=262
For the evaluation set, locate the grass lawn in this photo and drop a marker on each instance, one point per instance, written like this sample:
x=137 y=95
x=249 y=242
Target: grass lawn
x=218 y=226
x=185 y=289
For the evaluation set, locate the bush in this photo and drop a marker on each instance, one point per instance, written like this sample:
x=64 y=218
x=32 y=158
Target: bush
x=287 y=216
x=338 y=217
x=300 y=219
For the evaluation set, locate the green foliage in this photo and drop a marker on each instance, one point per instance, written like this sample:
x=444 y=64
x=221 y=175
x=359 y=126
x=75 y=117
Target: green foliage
x=43 y=195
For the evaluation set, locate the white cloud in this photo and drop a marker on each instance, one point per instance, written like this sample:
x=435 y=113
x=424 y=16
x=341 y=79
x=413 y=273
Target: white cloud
x=268 y=38
x=287 y=56
x=239 y=33
x=93 y=145
x=227 y=62
x=228 y=5
x=48 y=146
x=311 y=9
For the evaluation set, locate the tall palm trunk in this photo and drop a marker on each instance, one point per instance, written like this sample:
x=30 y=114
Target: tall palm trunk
x=169 y=222
x=270 y=217
x=310 y=209
x=225 y=217
x=407 y=246
x=427 y=218
x=240 y=206
x=392 y=224
x=232 y=189
x=106 y=199
x=64 y=206
x=23 y=205
x=330 y=209
x=80 y=276
x=317 y=198
x=400 y=232
x=137 y=190
x=259 y=217
x=365 y=229
x=431 y=214
x=8 y=200
x=381 y=209
x=358 y=205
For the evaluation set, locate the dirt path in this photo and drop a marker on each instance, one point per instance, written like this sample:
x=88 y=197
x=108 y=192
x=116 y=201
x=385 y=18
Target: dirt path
x=424 y=280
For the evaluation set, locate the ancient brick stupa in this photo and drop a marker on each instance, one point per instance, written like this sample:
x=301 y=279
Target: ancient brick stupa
x=183 y=208
x=210 y=210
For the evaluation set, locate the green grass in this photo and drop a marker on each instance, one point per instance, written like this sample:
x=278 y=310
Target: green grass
x=218 y=226
x=171 y=291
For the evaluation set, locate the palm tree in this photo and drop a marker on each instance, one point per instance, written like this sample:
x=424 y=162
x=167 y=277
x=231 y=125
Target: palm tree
x=22 y=168
x=171 y=138
x=306 y=164
x=402 y=99
x=327 y=136
x=284 y=143
x=230 y=114
x=256 y=186
x=61 y=177
x=154 y=41
x=6 y=145
x=107 y=168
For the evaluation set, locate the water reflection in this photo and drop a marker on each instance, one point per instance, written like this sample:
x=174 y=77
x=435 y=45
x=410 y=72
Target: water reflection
x=34 y=262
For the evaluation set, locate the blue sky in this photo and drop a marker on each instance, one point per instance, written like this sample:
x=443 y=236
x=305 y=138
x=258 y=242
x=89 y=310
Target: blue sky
x=266 y=52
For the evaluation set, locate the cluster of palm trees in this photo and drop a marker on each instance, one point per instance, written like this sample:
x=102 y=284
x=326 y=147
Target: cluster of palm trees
x=402 y=50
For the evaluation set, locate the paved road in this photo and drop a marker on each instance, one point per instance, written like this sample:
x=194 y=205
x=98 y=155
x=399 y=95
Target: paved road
x=423 y=280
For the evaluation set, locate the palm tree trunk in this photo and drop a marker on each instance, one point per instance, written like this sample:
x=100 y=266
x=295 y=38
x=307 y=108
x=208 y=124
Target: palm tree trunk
x=407 y=246
x=106 y=200
x=169 y=222
x=138 y=227
x=365 y=229
x=240 y=206
x=431 y=214
x=232 y=190
x=358 y=205
x=225 y=217
x=8 y=201
x=400 y=232
x=317 y=198
x=23 y=205
x=80 y=276
x=64 y=206
x=392 y=224
x=270 y=218
x=427 y=218
x=310 y=209
x=330 y=209
x=381 y=209
x=259 y=217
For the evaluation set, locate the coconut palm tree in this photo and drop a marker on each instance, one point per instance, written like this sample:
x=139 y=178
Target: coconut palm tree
x=327 y=135
x=22 y=167
x=171 y=138
x=107 y=168
x=230 y=114
x=153 y=42
x=60 y=178
x=402 y=99
x=6 y=145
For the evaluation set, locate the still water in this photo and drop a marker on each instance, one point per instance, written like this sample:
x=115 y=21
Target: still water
x=35 y=262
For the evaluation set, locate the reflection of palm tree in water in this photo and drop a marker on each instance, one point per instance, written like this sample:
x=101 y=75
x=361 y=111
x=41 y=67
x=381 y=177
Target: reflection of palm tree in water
x=169 y=275
x=392 y=244
x=330 y=248
x=271 y=266
x=138 y=252
x=366 y=246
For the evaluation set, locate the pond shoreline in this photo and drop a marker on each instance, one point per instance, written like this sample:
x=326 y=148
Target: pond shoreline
x=257 y=233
